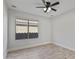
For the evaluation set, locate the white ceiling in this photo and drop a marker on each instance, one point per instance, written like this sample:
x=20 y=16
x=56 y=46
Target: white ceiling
x=29 y=6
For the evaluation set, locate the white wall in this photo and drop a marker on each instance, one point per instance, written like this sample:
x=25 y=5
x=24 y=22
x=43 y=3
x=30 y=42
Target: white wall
x=63 y=30
x=44 y=31
x=5 y=30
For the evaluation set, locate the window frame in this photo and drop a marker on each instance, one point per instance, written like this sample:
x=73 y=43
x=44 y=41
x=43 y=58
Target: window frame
x=27 y=27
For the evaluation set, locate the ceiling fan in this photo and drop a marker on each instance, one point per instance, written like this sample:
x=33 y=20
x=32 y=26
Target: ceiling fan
x=48 y=6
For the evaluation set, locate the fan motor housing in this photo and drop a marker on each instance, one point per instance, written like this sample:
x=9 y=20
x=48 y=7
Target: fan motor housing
x=47 y=4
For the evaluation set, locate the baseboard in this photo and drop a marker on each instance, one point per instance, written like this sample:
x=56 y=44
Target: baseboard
x=44 y=43
x=63 y=46
x=29 y=46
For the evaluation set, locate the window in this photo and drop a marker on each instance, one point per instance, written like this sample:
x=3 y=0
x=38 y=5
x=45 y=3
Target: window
x=26 y=29
x=33 y=29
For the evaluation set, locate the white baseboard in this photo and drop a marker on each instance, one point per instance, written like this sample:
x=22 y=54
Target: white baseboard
x=28 y=46
x=63 y=46
x=34 y=45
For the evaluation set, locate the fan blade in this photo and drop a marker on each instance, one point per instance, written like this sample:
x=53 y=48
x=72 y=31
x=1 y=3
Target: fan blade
x=40 y=7
x=43 y=2
x=56 y=3
x=53 y=9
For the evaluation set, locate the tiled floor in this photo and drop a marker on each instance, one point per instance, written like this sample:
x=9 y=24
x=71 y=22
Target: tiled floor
x=42 y=52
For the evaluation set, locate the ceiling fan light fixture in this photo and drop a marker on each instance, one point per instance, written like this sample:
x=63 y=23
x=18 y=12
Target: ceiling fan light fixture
x=49 y=9
x=48 y=6
x=44 y=9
